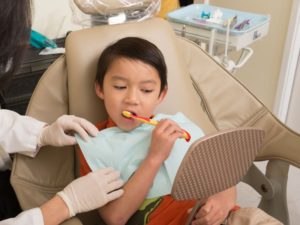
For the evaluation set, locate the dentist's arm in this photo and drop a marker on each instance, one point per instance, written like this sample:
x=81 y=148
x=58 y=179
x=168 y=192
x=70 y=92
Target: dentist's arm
x=25 y=134
x=60 y=133
x=84 y=194
x=19 y=133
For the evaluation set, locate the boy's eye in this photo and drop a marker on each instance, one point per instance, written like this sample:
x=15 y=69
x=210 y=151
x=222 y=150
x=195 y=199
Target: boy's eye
x=119 y=87
x=147 y=90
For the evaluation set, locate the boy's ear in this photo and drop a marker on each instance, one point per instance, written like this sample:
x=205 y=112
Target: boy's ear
x=163 y=94
x=99 y=91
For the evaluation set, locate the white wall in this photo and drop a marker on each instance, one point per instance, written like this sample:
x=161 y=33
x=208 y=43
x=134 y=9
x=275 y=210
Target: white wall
x=53 y=18
x=293 y=118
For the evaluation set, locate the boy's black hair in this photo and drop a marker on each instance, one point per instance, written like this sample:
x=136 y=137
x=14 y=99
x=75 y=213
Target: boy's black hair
x=133 y=48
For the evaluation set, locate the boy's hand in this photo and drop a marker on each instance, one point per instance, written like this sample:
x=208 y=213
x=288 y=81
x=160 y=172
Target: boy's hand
x=164 y=136
x=216 y=208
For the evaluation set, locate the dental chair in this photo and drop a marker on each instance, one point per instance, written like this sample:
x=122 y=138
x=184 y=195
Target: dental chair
x=198 y=87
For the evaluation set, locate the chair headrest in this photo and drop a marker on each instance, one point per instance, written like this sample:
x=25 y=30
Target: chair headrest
x=84 y=47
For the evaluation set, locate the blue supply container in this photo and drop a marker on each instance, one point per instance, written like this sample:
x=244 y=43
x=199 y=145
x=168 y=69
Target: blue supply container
x=40 y=41
x=191 y=15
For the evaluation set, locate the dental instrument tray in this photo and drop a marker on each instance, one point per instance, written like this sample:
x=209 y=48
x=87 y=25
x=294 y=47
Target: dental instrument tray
x=199 y=20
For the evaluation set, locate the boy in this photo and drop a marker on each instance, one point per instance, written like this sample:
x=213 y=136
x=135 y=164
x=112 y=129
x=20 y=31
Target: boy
x=132 y=76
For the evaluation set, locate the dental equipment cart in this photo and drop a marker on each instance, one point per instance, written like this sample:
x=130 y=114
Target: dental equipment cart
x=197 y=21
x=217 y=27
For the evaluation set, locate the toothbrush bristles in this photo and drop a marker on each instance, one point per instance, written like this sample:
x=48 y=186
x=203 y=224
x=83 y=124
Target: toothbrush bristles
x=127 y=114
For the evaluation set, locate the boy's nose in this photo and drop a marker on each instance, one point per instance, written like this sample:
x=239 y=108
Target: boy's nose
x=131 y=97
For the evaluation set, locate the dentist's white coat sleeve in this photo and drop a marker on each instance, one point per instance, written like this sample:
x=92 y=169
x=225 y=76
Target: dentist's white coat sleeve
x=19 y=133
x=29 y=217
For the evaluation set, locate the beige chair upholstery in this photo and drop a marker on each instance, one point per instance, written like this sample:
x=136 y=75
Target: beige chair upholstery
x=217 y=102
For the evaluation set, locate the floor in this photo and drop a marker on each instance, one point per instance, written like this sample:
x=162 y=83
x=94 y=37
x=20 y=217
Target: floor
x=247 y=197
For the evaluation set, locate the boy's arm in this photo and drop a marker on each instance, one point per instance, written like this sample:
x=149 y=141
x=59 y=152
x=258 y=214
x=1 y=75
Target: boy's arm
x=136 y=189
x=216 y=207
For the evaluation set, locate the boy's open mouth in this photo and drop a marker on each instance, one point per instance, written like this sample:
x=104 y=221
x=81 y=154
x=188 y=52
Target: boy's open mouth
x=128 y=117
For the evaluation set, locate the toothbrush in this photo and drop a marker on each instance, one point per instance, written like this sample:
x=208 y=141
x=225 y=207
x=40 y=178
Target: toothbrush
x=152 y=122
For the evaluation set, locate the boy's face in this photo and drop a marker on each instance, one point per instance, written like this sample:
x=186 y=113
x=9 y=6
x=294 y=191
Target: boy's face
x=130 y=85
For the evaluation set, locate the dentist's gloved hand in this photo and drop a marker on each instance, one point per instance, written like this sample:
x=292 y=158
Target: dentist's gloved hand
x=92 y=191
x=58 y=133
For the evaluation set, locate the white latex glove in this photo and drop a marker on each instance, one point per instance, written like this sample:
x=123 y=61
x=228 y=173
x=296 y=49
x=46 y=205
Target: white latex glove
x=56 y=133
x=92 y=191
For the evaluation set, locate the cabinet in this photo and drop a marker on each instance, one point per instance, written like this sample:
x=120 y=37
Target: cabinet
x=17 y=94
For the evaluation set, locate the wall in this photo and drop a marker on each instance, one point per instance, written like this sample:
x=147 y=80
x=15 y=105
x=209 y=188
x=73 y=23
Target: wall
x=53 y=18
x=260 y=74
x=293 y=119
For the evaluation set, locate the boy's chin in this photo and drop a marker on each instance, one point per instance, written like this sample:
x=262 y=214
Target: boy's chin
x=128 y=129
